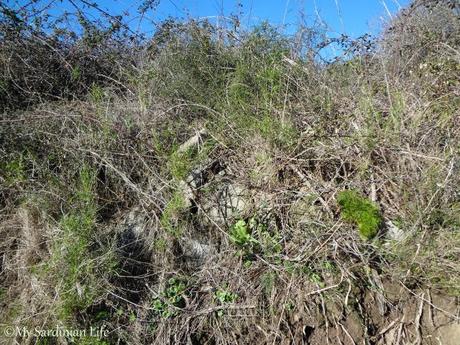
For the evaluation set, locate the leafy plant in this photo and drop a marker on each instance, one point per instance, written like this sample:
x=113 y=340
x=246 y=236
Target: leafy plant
x=360 y=211
x=171 y=299
x=224 y=296
x=290 y=305
x=240 y=234
x=253 y=235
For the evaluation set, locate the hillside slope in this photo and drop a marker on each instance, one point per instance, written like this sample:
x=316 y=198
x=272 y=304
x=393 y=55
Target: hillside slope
x=216 y=186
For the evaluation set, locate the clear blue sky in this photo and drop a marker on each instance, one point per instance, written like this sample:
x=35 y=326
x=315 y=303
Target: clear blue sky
x=352 y=17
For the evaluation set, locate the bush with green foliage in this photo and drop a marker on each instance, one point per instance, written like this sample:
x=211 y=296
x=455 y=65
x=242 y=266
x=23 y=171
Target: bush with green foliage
x=73 y=265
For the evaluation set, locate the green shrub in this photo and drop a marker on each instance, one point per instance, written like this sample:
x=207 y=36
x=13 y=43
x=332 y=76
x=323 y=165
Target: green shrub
x=360 y=211
x=180 y=163
x=91 y=340
x=13 y=171
x=73 y=263
x=170 y=217
x=267 y=282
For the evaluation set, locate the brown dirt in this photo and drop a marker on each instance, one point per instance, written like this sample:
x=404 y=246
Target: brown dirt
x=420 y=317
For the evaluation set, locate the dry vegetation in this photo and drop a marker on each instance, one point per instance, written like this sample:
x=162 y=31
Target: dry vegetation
x=312 y=203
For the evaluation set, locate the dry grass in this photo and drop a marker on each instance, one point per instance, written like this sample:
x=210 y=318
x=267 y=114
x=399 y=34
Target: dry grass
x=99 y=228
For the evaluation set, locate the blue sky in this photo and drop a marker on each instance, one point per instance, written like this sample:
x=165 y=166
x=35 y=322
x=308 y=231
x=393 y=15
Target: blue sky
x=351 y=17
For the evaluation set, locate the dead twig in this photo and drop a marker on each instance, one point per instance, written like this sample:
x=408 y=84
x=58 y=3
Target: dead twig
x=217 y=308
x=418 y=317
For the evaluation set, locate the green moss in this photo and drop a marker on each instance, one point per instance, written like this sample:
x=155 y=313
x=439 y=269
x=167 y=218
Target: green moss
x=360 y=211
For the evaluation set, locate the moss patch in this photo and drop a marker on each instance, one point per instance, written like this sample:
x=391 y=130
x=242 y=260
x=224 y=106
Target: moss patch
x=360 y=211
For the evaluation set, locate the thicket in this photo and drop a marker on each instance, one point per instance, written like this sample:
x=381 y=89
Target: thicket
x=91 y=126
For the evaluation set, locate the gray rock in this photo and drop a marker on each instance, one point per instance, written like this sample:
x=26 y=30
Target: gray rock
x=195 y=250
x=393 y=232
x=135 y=222
x=230 y=201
